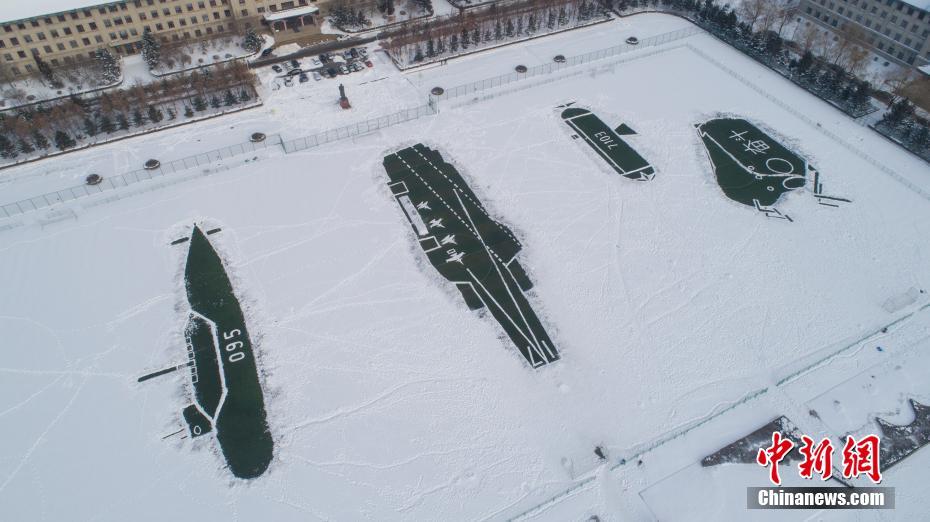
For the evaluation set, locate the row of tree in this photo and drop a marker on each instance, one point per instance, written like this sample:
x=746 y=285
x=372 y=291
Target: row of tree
x=449 y=36
x=64 y=124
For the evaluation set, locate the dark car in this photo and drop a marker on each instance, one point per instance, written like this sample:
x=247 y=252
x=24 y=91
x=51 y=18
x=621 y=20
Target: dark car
x=276 y=68
x=353 y=52
x=304 y=78
x=267 y=52
x=294 y=72
x=332 y=72
x=295 y=64
x=324 y=58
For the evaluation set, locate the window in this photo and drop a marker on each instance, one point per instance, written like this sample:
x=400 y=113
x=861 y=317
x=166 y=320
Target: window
x=245 y=12
x=47 y=49
x=80 y=28
x=27 y=38
x=85 y=41
x=14 y=41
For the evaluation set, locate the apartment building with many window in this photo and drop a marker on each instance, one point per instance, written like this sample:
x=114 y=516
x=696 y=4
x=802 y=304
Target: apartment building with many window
x=65 y=31
x=897 y=30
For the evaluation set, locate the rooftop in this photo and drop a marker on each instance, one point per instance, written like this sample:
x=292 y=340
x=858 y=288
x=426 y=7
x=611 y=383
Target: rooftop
x=18 y=10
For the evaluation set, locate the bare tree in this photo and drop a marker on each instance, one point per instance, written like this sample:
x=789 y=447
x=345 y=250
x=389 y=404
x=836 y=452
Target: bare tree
x=752 y=10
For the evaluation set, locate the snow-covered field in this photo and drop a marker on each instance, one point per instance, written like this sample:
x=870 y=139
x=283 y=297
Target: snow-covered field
x=387 y=398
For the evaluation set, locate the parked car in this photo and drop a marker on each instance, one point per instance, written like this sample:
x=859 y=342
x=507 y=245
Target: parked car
x=276 y=68
x=323 y=58
x=295 y=64
x=353 y=52
x=343 y=69
x=294 y=72
x=331 y=71
x=304 y=78
x=267 y=52
x=632 y=40
x=316 y=61
x=369 y=64
x=316 y=76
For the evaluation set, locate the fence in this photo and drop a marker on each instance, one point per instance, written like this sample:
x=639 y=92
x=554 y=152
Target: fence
x=571 y=61
x=133 y=177
x=357 y=129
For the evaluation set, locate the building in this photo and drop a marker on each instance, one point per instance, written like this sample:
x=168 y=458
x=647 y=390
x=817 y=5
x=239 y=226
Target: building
x=65 y=31
x=896 y=30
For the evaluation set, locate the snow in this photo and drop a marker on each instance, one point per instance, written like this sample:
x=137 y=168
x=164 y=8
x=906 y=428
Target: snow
x=299 y=11
x=13 y=11
x=389 y=400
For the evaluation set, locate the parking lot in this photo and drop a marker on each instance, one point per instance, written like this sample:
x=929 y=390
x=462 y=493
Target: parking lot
x=326 y=65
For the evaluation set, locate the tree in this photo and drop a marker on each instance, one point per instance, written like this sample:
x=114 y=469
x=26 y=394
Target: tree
x=25 y=147
x=454 y=43
x=7 y=151
x=806 y=61
x=40 y=140
x=188 y=112
x=900 y=111
x=510 y=28
x=498 y=31
x=214 y=101
x=199 y=104
x=46 y=70
x=464 y=38
x=230 y=99
x=244 y=95
x=154 y=113
x=121 y=121
x=110 y=70
x=171 y=114
x=63 y=140
x=151 y=49
x=106 y=124
x=137 y=119
x=90 y=126
x=252 y=42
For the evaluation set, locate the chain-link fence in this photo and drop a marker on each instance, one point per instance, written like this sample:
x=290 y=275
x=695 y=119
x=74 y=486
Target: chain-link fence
x=135 y=176
x=357 y=129
x=569 y=61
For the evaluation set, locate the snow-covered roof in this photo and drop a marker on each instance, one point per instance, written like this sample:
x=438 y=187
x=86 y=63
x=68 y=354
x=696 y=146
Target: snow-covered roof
x=18 y=10
x=300 y=11
x=920 y=4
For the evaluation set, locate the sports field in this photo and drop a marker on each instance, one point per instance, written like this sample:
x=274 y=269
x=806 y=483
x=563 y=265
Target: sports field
x=682 y=320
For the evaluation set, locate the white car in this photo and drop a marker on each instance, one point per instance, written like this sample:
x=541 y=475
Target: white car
x=316 y=76
x=316 y=61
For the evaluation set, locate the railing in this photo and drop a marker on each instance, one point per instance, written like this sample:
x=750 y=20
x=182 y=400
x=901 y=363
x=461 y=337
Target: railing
x=357 y=129
x=570 y=61
x=133 y=177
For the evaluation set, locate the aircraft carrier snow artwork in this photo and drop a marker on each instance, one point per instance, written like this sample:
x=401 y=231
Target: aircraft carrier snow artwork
x=467 y=246
x=228 y=398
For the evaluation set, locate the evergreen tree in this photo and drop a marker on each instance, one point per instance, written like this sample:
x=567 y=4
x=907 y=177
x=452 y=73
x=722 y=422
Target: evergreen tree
x=244 y=95
x=464 y=38
x=510 y=28
x=151 y=49
x=106 y=124
x=900 y=111
x=46 y=70
x=921 y=138
x=188 y=112
x=214 y=101
x=90 y=126
x=199 y=104
x=109 y=67
x=25 y=147
x=40 y=140
x=230 y=99
x=430 y=48
x=418 y=55
x=155 y=115
x=7 y=151
x=498 y=31
x=550 y=23
x=476 y=36
x=806 y=61
x=137 y=119
x=63 y=140
x=253 y=42
x=454 y=43
x=532 y=24
x=563 y=16
x=171 y=114
x=121 y=121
